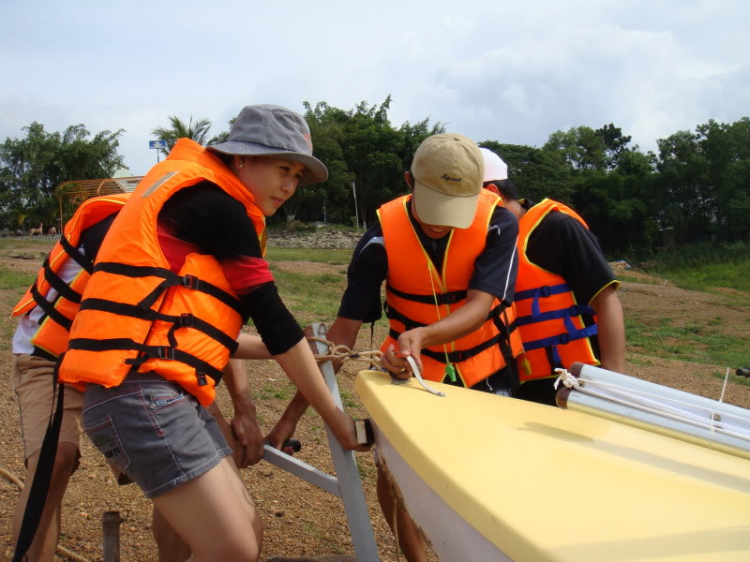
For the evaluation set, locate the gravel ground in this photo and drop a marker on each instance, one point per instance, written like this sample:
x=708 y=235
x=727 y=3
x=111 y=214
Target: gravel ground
x=301 y=520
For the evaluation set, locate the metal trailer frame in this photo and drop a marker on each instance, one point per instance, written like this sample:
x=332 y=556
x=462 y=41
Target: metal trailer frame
x=347 y=485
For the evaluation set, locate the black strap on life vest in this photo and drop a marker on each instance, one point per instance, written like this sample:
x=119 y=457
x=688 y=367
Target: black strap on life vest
x=500 y=318
x=185 y=320
x=146 y=352
x=58 y=284
x=171 y=279
x=49 y=309
x=496 y=314
x=81 y=259
x=451 y=297
x=462 y=354
x=42 y=477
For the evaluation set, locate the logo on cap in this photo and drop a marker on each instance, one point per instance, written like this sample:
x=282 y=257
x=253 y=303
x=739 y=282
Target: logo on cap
x=446 y=177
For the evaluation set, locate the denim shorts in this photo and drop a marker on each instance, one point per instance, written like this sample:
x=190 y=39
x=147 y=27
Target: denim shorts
x=153 y=431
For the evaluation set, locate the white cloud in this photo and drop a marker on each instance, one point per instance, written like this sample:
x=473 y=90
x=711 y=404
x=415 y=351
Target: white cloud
x=510 y=71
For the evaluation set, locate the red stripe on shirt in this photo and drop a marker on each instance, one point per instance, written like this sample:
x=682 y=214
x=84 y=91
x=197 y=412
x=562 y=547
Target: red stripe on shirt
x=244 y=273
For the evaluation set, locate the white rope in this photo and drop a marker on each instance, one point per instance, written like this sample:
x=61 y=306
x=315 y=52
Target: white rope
x=666 y=407
x=568 y=380
x=341 y=353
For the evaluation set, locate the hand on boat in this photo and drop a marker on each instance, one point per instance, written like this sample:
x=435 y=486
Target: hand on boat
x=395 y=364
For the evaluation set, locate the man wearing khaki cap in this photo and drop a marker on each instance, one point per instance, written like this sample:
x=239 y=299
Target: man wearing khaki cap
x=447 y=254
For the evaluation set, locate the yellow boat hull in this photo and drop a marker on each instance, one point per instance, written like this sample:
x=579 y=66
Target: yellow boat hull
x=544 y=484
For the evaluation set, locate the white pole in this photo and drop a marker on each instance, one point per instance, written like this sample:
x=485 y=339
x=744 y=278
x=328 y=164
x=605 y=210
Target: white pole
x=356 y=210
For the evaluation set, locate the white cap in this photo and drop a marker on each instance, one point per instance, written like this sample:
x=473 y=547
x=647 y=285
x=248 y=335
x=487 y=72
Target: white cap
x=494 y=167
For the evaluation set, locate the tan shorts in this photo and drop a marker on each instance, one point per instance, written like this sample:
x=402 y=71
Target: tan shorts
x=36 y=393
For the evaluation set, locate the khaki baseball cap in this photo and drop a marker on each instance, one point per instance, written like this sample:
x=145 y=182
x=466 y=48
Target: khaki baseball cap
x=448 y=171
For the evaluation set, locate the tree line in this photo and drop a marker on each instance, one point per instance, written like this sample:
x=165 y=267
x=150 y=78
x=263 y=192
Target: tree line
x=696 y=187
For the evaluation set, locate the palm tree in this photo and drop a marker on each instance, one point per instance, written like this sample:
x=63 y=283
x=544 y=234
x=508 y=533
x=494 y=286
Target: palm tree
x=197 y=131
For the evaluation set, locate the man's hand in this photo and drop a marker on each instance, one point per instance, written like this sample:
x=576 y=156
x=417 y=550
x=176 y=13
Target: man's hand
x=247 y=435
x=226 y=430
x=281 y=433
x=247 y=432
x=396 y=364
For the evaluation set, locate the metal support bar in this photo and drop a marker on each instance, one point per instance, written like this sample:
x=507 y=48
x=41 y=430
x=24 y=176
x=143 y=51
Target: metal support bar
x=302 y=470
x=347 y=484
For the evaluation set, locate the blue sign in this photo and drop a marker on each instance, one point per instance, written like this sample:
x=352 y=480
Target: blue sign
x=157 y=144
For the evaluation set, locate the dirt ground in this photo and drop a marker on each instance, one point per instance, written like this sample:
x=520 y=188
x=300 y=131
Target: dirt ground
x=300 y=519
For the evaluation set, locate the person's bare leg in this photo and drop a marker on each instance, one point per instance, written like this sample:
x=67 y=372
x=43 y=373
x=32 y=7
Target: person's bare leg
x=48 y=534
x=215 y=504
x=170 y=545
x=409 y=536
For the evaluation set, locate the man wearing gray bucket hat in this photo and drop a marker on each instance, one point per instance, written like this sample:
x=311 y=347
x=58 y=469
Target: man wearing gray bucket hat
x=179 y=273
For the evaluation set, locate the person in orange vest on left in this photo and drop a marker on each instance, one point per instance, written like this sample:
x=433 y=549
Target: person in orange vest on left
x=45 y=314
x=179 y=274
x=566 y=293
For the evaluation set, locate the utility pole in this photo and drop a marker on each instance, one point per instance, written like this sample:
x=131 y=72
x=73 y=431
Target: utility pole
x=356 y=209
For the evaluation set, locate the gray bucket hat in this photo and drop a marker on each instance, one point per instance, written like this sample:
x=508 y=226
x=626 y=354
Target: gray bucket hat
x=264 y=130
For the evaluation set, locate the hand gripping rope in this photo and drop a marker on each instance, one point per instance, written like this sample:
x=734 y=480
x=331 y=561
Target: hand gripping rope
x=341 y=353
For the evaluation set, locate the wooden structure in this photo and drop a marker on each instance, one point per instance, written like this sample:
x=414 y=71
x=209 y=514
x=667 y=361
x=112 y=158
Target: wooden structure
x=71 y=194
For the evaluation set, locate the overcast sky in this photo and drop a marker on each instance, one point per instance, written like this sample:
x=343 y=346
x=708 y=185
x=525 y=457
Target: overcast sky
x=514 y=72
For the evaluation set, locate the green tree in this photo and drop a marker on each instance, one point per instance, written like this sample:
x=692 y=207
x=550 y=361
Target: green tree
x=363 y=152
x=616 y=144
x=581 y=148
x=178 y=129
x=32 y=167
x=682 y=183
x=536 y=172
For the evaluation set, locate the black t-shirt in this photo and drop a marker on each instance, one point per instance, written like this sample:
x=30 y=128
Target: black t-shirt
x=562 y=245
x=208 y=217
x=91 y=238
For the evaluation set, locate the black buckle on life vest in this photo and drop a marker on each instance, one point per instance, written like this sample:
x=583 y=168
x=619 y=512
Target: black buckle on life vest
x=451 y=298
x=544 y=291
x=187 y=320
x=574 y=311
x=563 y=339
x=165 y=352
x=201 y=378
x=459 y=356
x=190 y=281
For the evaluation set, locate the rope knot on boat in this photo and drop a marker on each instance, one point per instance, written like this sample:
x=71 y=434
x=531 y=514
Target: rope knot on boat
x=341 y=353
x=568 y=380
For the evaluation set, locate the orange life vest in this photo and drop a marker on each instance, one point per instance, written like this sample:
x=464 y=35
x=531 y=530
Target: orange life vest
x=418 y=295
x=60 y=310
x=136 y=314
x=549 y=318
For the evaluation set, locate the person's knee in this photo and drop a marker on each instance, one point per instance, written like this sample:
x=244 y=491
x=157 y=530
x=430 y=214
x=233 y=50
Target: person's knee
x=66 y=460
x=232 y=549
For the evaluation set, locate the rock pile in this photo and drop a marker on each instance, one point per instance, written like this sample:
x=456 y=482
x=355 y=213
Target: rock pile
x=326 y=239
